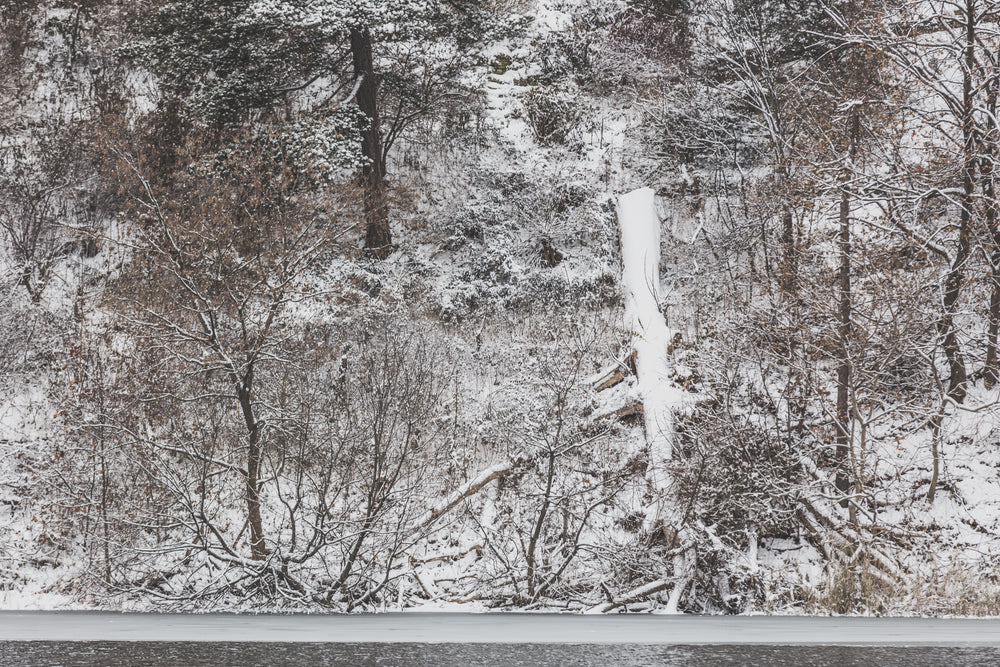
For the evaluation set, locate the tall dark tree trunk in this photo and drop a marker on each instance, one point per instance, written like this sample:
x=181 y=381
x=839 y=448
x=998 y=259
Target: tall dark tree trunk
x=254 y=458
x=956 y=273
x=536 y=533
x=990 y=372
x=843 y=481
x=378 y=236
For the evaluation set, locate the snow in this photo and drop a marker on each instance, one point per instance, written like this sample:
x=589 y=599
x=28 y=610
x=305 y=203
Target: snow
x=640 y=241
x=434 y=628
x=483 y=201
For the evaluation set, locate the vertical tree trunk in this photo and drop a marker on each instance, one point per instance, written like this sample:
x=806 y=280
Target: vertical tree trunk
x=103 y=460
x=789 y=269
x=844 y=314
x=536 y=533
x=990 y=372
x=789 y=262
x=956 y=274
x=378 y=236
x=254 y=457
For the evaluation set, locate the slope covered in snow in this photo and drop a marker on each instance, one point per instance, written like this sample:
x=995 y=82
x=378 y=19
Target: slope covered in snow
x=596 y=371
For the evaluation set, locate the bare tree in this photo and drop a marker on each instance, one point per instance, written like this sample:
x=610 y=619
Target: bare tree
x=537 y=522
x=222 y=262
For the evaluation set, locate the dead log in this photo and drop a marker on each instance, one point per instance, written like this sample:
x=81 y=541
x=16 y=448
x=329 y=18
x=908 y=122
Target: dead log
x=628 y=410
x=633 y=595
x=612 y=375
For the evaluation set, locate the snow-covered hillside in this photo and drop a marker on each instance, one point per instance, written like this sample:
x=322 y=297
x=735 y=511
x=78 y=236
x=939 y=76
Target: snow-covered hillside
x=216 y=398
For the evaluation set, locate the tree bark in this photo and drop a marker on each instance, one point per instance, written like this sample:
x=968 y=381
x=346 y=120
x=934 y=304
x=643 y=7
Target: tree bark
x=990 y=371
x=536 y=533
x=254 y=456
x=844 y=315
x=378 y=236
x=789 y=270
x=956 y=274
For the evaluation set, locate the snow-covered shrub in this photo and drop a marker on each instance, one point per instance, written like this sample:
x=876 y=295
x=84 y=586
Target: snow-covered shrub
x=546 y=517
x=493 y=267
x=471 y=223
x=954 y=588
x=459 y=300
x=740 y=482
x=692 y=124
x=18 y=20
x=505 y=182
x=565 y=55
x=42 y=219
x=152 y=479
x=553 y=115
x=853 y=588
x=569 y=194
x=654 y=29
x=324 y=144
x=557 y=288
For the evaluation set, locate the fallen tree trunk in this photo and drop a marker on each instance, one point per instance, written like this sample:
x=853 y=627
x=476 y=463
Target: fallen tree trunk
x=611 y=376
x=470 y=488
x=640 y=240
x=684 y=569
x=633 y=595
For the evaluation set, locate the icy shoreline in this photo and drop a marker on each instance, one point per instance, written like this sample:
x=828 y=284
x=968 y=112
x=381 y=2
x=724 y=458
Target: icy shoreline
x=489 y=628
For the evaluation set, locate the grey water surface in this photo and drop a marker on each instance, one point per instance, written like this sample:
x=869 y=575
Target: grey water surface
x=445 y=639
x=115 y=654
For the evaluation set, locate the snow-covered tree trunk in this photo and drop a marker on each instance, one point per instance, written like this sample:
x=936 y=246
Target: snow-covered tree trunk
x=639 y=226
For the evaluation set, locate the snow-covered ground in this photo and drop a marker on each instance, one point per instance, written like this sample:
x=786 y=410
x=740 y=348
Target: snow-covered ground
x=417 y=627
x=512 y=256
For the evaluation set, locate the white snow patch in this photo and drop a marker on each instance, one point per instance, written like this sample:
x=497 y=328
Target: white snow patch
x=640 y=241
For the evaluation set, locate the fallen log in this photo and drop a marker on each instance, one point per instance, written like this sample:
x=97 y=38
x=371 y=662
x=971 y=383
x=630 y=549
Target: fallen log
x=639 y=225
x=627 y=410
x=613 y=375
x=633 y=595
x=468 y=489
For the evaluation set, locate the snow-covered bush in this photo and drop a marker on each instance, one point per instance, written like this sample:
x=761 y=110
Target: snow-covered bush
x=542 y=530
x=553 y=115
x=741 y=483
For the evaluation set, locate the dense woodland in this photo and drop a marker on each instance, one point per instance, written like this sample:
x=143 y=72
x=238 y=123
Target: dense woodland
x=322 y=304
